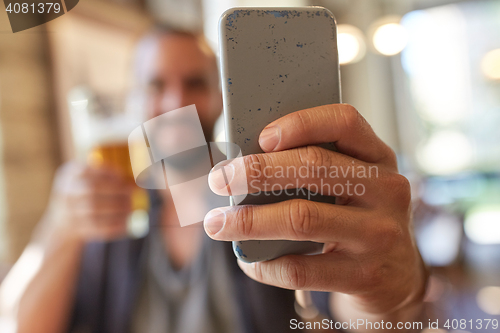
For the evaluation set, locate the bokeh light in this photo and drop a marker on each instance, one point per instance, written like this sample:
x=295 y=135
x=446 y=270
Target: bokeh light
x=351 y=44
x=390 y=39
x=482 y=225
x=488 y=300
x=490 y=65
x=445 y=152
x=437 y=62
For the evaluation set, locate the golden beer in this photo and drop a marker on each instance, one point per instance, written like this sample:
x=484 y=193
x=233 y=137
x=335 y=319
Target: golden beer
x=116 y=155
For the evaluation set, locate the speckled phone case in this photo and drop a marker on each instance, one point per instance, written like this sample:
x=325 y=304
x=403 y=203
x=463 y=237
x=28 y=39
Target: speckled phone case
x=274 y=61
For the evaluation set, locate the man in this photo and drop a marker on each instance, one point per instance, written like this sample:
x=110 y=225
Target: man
x=178 y=280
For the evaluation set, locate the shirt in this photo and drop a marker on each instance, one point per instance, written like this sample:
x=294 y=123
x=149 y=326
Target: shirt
x=199 y=297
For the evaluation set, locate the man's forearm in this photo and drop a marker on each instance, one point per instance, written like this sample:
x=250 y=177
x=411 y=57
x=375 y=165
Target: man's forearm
x=43 y=302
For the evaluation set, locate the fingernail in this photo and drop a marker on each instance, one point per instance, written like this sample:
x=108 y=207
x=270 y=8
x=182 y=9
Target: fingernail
x=221 y=177
x=214 y=221
x=269 y=138
x=246 y=267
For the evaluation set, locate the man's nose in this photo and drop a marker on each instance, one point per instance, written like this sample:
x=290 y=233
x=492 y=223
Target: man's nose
x=174 y=99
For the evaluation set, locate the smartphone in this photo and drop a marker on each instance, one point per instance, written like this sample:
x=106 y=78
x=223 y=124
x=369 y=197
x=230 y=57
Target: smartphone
x=275 y=61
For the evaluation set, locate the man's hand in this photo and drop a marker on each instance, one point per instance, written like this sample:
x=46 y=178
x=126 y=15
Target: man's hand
x=91 y=203
x=369 y=251
x=86 y=204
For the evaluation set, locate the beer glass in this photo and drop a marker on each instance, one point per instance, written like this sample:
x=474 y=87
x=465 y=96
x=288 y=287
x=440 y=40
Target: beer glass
x=100 y=130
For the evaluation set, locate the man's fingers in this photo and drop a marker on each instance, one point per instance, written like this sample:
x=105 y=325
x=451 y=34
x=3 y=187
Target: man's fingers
x=293 y=219
x=338 y=123
x=297 y=272
x=99 y=187
x=106 y=230
x=101 y=204
x=316 y=169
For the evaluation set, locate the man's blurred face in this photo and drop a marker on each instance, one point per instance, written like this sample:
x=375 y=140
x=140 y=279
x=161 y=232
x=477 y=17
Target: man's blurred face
x=183 y=72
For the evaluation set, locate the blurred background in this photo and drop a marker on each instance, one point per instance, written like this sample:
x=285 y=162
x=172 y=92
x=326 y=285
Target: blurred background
x=425 y=74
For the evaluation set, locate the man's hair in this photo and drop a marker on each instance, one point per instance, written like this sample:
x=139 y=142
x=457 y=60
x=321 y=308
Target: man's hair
x=147 y=46
x=161 y=29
